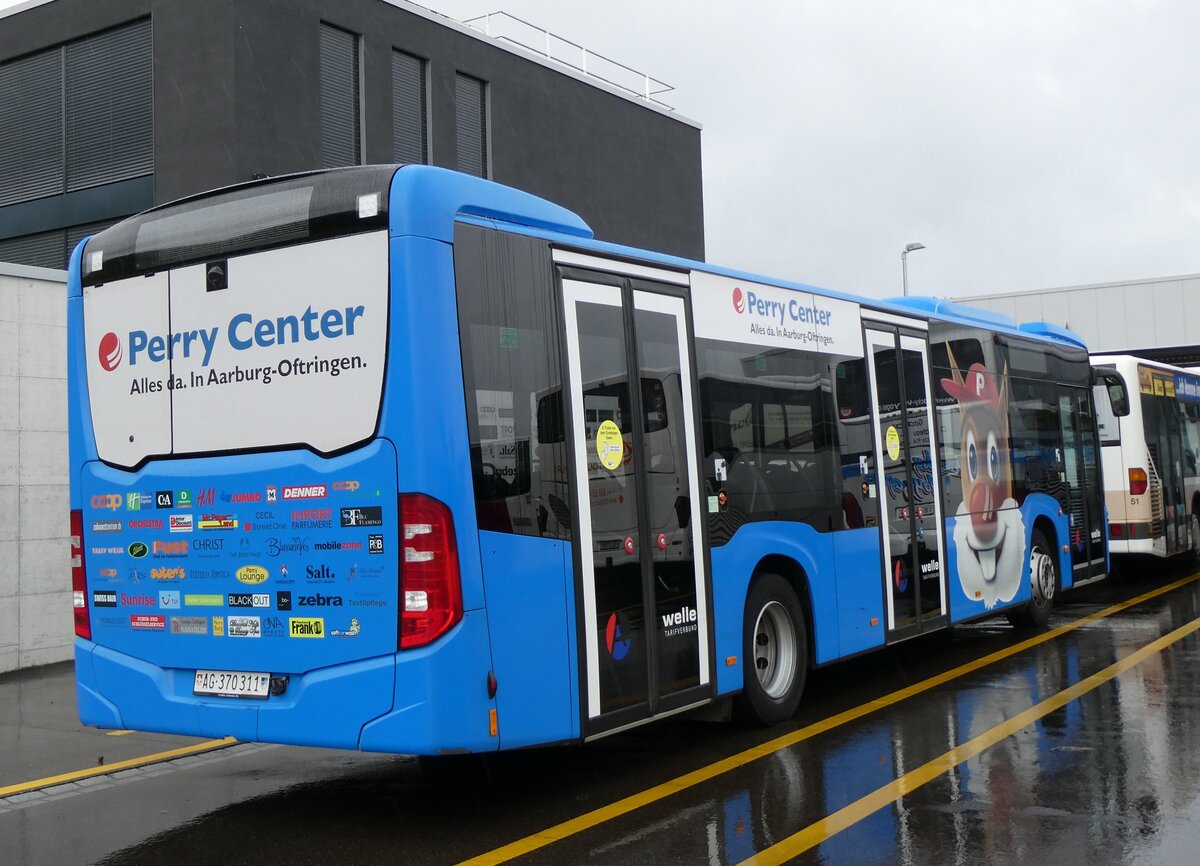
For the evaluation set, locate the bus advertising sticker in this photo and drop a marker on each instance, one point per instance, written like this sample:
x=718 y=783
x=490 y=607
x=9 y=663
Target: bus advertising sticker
x=283 y=600
x=616 y=636
x=610 y=447
x=273 y=626
x=169 y=599
x=351 y=630
x=203 y=600
x=306 y=627
x=218 y=623
x=147 y=622
x=252 y=574
x=138 y=549
x=366 y=515
x=189 y=625
x=244 y=626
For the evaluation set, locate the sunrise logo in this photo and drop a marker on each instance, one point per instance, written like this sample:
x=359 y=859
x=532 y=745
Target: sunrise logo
x=615 y=636
x=110 y=351
x=739 y=300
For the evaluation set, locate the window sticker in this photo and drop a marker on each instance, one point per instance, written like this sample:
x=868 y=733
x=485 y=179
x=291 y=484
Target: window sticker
x=610 y=448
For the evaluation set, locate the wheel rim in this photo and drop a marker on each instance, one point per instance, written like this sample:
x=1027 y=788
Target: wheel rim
x=775 y=649
x=1041 y=566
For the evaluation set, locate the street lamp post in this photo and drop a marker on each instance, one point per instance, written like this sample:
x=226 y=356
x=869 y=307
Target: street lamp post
x=909 y=248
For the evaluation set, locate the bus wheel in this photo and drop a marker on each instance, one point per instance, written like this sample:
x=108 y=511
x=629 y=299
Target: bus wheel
x=1044 y=580
x=774 y=652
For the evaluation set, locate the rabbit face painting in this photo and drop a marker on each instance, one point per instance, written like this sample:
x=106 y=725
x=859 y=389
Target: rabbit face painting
x=989 y=532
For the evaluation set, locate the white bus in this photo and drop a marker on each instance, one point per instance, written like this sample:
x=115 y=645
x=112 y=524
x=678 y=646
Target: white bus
x=1149 y=456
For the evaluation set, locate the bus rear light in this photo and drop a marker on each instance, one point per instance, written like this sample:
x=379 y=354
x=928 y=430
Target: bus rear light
x=83 y=617
x=1116 y=530
x=430 y=585
x=1137 y=482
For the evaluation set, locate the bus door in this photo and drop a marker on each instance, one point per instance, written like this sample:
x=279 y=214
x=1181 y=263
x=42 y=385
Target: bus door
x=640 y=564
x=908 y=493
x=1081 y=455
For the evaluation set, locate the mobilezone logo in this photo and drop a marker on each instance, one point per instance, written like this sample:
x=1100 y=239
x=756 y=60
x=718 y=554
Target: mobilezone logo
x=241 y=332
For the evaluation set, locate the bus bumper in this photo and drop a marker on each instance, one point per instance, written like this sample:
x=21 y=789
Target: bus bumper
x=426 y=701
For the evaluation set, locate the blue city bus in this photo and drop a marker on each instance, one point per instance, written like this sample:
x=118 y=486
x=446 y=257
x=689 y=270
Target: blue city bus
x=393 y=458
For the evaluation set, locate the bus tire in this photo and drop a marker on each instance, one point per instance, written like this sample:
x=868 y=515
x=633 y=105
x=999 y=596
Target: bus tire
x=774 y=652
x=1044 y=583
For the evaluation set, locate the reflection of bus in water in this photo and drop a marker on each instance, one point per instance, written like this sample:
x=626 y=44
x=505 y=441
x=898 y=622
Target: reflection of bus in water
x=1150 y=455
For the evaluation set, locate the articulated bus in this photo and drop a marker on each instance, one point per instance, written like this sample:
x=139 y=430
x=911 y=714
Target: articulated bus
x=1150 y=445
x=358 y=460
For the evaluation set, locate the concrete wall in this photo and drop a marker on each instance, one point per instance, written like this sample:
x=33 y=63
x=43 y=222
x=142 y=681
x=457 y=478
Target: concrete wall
x=1155 y=318
x=36 y=625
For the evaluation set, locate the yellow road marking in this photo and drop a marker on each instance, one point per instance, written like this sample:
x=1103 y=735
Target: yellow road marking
x=633 y=802
x=76 y=775
x=816 y=833
x=118 y=733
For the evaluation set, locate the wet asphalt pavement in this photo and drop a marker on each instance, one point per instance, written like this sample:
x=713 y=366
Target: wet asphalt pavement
x=1111 y=776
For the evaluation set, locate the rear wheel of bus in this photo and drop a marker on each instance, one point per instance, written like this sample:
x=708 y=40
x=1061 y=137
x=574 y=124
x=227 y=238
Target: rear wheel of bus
x=774 y=651
x=1044 y=583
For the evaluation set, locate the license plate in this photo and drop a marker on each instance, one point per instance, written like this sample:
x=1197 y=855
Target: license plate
x=232 y=684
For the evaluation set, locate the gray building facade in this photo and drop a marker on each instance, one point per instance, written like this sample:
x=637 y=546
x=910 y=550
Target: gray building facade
x=1157 y=318
x=108 y=107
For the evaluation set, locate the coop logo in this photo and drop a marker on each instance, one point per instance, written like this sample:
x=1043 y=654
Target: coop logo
x=739 y=300
x=111 y=351
x=243 y=331
x=616 y=636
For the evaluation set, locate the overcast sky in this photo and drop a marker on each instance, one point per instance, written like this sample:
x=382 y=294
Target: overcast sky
x=1026 y=144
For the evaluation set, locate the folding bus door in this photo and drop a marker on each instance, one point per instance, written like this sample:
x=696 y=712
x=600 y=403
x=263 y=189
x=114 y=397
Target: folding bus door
x=639 y=560
x=909 y=497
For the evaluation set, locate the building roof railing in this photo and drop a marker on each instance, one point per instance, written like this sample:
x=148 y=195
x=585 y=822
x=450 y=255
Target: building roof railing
x=520 y=33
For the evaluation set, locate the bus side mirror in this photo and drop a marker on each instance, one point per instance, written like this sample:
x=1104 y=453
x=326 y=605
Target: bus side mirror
x=1118 y=397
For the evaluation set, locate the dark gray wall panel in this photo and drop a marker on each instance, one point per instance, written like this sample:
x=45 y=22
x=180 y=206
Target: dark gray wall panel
x=236 y=94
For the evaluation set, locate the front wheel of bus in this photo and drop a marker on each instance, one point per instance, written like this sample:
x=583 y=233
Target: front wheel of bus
x=1044 y=584
x=774 y=652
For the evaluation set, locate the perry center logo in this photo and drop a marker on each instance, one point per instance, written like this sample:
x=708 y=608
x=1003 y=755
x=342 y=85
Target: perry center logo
x=242 y=332
x=739 y=300
x=111 y=351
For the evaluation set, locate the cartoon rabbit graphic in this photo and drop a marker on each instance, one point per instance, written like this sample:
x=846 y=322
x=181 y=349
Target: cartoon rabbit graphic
x=989 y=532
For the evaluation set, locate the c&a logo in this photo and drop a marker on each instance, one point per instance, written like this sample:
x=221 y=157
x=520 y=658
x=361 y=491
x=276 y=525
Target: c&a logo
x=616 y=636
x=110 y=351
x=739 y=300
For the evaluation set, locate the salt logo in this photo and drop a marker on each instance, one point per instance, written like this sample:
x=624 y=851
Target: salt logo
x=110 y=351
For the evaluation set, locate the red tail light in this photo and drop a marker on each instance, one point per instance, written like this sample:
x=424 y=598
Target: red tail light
x=83 y=618
x=1137 y=482
x=430 y=586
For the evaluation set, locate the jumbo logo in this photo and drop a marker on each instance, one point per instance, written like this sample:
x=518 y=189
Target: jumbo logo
x=111 y=501
x=110 y=351
x=241 y=332
x=739 y=300
x=252 y=574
